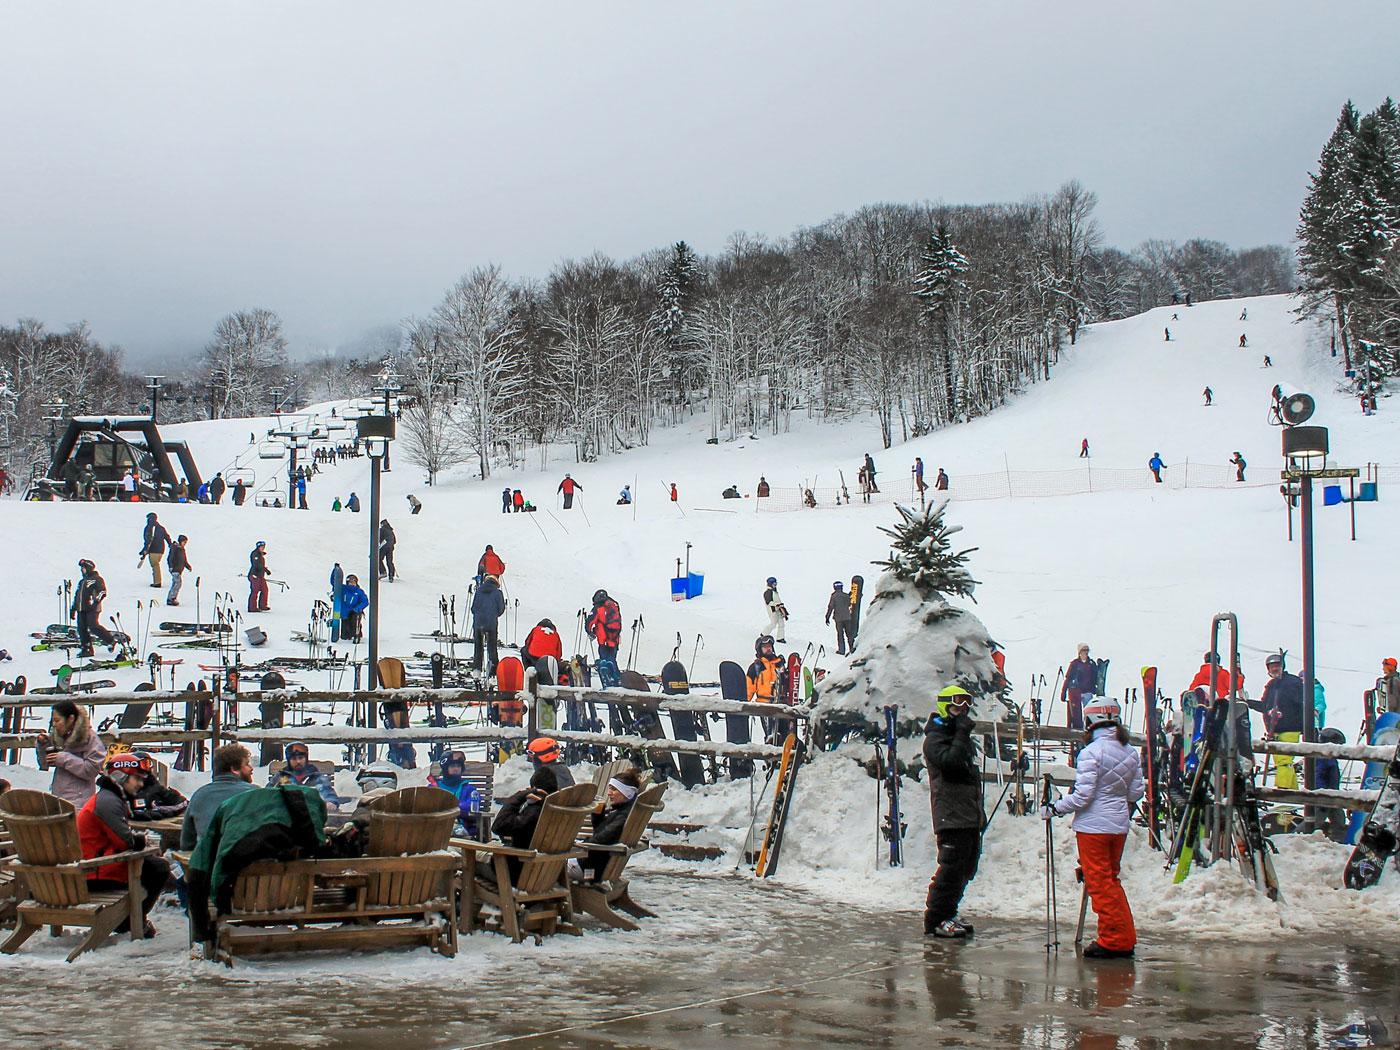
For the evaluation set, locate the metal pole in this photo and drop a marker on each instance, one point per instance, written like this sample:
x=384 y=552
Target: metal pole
x=1309 y=641
x=292 y=474
x=374 y=572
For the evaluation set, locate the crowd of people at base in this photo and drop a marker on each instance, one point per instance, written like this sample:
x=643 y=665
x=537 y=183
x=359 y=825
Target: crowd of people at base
x=116 y=793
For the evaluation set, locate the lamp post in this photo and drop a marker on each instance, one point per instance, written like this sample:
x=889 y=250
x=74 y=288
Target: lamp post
x=388 y=389
x=1305 y=450
x=153 y=384
x=376 y=432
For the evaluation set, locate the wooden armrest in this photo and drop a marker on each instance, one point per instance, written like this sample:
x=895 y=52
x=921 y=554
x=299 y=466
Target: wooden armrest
x=615 y=847
x=502 y=849
x=117 y=858
x=183 y=859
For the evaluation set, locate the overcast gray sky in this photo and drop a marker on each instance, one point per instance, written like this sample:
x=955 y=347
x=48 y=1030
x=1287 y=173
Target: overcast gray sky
x=342 y=163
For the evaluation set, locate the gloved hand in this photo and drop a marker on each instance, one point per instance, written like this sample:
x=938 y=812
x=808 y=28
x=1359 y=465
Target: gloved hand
x=1046 y=812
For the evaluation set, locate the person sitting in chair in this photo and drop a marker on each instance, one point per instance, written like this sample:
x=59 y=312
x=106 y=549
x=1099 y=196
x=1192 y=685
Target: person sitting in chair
x=609 y=818
x=515 y=823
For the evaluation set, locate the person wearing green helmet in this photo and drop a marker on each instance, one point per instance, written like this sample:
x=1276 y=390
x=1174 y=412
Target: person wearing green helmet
x=955 y=795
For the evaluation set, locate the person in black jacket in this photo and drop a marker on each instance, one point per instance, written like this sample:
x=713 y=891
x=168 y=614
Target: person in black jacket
x=515 y=823
x=609 y=819
x=154 y=540
x=387 y=542
x=178 y=563
x=955 y=795
x=217 y=487
x=1285 y=715
x=257 y=578
x=87 y=608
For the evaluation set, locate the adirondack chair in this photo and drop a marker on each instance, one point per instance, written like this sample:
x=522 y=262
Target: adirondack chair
x=607 y=892
x=408 y=872
x=608 y=770
x=53 y=875
x=9 y=885
x=538 y=901
x=482 y=776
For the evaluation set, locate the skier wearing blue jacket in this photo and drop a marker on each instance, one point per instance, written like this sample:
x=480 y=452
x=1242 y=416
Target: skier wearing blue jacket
x=353 y=603
x=1156 y=465
x=487 y=606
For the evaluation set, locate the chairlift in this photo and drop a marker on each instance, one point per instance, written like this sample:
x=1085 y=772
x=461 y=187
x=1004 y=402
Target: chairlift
x=270 y=450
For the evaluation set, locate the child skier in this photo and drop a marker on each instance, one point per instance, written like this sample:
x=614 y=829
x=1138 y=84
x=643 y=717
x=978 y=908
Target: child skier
x=1107 y=783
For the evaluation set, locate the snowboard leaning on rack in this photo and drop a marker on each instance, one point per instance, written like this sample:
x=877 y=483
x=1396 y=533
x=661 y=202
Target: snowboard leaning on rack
x=1380 y=835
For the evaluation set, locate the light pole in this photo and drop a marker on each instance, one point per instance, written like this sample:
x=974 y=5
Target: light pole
x=153 y=384
x=376 y=432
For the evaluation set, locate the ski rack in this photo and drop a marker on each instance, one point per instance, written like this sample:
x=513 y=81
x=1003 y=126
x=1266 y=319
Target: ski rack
x=1226 y=767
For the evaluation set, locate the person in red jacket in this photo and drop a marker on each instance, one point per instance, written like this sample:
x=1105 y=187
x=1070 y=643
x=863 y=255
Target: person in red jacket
x=605 y=625
x=543 y=640
x=1222 y=678
x=568 y=486
x=104 y=830
x=490 y=564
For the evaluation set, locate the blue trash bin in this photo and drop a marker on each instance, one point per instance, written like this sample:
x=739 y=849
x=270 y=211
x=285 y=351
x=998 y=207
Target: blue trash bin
x=1332 y=495
x=695 y=585
x=678 y=589
x=1368 y=493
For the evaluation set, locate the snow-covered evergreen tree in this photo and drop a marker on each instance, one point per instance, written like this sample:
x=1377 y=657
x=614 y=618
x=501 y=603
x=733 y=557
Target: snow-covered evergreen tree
x=923 y=554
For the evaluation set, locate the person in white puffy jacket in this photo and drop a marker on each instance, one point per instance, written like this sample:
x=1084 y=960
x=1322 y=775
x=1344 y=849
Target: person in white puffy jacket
x=1107 y=783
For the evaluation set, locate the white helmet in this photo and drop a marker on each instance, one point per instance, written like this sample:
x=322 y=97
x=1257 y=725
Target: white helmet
x=378 y=775
x=1102 y=710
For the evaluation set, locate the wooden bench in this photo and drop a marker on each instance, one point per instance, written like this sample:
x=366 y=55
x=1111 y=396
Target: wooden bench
x=538 y=902
x=608 y=892
x=52 y=875
x=402 y=893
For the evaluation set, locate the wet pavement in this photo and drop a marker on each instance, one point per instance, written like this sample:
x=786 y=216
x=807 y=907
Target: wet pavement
x=731 y=964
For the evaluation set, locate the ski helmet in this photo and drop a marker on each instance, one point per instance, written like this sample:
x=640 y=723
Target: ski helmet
x=761 y=642
x=772 y=581
x=260 y=543
x=1102 y=711
x=547 y=622
x=127 y=762
x=1389 y=663
x=600 y=596
x=543 y=749
x=837 y=585
x=949 y=697
x=1274 y=658
x=454 y=758
x=378 y=775
x=296 y=747
x=86 y=564
x=1332 y=735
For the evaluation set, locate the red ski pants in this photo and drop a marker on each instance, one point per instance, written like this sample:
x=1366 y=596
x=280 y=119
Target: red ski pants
x=1100 y=857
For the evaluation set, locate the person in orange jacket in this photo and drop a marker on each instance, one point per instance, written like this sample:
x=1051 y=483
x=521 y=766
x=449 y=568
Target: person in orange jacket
x=765 y=677
x=568 y=487
x=543 y=640
x=605 y=625
x=1222 y=678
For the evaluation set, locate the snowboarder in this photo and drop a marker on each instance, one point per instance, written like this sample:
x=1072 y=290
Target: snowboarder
x=1081 y=679
x=1084 y=449
x=1268 y=361
x=1389 y=684
x=941 y=481
x=1244 y=314
x=870 y=473
x=838 y=609
x=1282 y=705
x=1243 y=341
x=568 y=486
x=490 y=564
x=352 y=503
x=505 y=500
x=387 y=541
x=1208 y=395
x=257 y=578
x=1107 y=784
x=217 y=488
x=777 y=611
x=240 y=492
x=154 y=540
x=624 y=498
x=178 y=563
x=1156 y=465
x=1240 y=464
x=87 y=608
x=605 y=625
x=488 y=605
x=764 y=491
x=955 y=797
x=353 y=603
x=415 y=505
x=918 y=471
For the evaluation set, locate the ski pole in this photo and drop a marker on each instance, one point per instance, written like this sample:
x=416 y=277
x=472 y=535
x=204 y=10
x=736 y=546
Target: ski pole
x=696 y=652
x=1054 y=692
x=1083 y=906
x=1052 y=908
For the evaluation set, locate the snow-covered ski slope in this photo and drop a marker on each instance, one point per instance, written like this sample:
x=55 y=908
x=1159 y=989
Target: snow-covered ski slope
x=1135 y=573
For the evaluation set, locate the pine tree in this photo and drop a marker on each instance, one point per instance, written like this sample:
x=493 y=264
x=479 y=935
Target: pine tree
x=675 y=293
x=923 y=554
x=938 y=281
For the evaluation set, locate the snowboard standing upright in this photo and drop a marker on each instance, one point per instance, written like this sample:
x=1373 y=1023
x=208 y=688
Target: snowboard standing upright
x=675 y=682
x=1380 y=834
x=647 y=724
x=857 y=594
x=734 y=685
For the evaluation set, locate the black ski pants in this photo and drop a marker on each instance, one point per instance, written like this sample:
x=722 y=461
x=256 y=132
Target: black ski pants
x=488 y=638
x=386 y=560
x=844 y=641
x=958 y=853
x=89 y=624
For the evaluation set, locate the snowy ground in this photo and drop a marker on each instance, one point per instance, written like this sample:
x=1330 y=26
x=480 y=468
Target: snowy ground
x=1137 y=574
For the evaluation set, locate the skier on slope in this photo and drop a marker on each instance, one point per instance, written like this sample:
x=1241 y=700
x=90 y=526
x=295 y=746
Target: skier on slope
x=838 y=609
x=488 y=605
x=257 y=578
x=1208 y=395
x=1239 y=465
x=154 y=540
x=505 y=500
x=568 y=487
x=353 y=603
x=1084 y=449
x=387 y=542
x=1081 y=680
x=777 y=611
x=918 y=471
x=955 y=797
x=1156 y=465
x=870 y=473
x=490 y=564
x=87 y=608
x=1107 y=784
